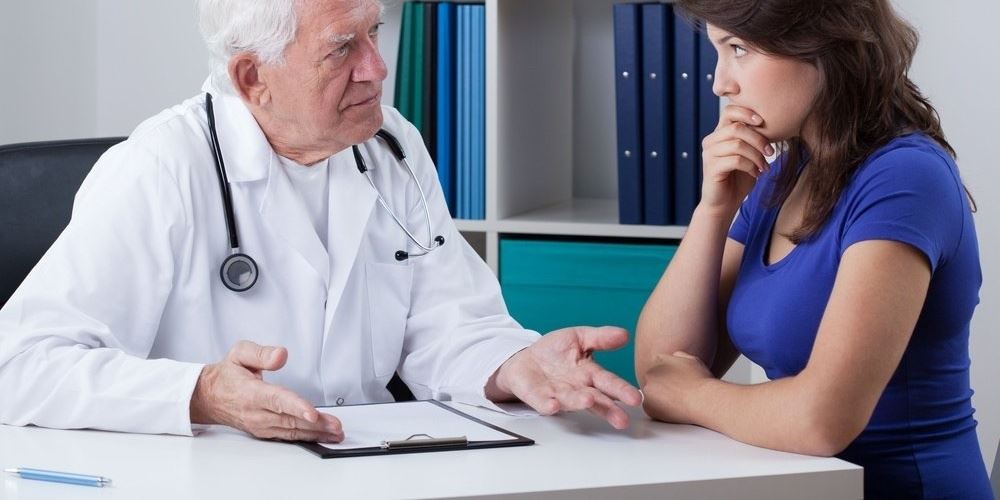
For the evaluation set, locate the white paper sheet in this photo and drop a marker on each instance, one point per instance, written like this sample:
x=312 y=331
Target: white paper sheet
x=367 y=426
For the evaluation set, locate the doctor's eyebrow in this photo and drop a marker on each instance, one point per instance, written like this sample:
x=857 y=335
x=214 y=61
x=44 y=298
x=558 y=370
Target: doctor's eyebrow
x=338 y=38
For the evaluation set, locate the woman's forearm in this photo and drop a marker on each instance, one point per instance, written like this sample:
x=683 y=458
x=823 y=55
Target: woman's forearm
x=781 y=415
x=682 y=312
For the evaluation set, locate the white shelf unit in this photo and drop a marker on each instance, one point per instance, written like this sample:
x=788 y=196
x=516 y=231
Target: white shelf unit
x=551 y=167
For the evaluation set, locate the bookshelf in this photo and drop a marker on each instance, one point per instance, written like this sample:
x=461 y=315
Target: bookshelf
x=551 y=167
x=550 y=123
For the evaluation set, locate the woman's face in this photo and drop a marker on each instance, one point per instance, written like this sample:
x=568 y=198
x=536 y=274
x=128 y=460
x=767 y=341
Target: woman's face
x=779 y=89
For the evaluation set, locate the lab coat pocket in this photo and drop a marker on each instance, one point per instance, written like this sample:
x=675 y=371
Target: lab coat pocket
x=388 y=288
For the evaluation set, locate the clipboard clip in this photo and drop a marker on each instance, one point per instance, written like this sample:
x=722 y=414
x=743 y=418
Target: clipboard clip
x=424 y=441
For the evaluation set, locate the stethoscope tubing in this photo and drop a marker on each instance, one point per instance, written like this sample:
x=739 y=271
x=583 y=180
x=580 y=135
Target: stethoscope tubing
x=230 y=215
x=220 y=168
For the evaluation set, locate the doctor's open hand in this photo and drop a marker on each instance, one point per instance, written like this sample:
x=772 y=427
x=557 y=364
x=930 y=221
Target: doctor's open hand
x=232 y=392
x=557 y=374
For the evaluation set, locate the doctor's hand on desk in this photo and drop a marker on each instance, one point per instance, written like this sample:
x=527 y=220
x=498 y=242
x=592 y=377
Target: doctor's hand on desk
x=232 y=392
x=557 y=374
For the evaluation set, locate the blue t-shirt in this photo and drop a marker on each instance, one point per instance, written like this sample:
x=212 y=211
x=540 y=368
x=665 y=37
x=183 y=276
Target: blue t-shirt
x=921 y=440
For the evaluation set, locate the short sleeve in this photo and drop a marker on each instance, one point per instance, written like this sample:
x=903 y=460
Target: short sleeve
x=740 y=230
x=907 y=195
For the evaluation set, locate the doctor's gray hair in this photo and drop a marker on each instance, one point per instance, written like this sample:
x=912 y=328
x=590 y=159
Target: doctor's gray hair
x=261 y=27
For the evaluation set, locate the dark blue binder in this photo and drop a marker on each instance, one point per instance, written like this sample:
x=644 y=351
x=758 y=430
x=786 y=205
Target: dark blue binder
x=708 y=102
x=687 y=149
x=445 y=100
x=657 y=113
x=628 y=112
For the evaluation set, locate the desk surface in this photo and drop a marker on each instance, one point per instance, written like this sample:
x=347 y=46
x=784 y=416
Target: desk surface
x=576 y=456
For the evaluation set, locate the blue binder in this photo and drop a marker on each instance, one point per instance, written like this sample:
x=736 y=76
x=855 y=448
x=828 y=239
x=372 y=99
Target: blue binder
x=478 y=176
x=628 y=113
x=462 y=115
x=687 y=149
x=445 y=100
x=708 y=102
x=657 y=113
x=467 y=109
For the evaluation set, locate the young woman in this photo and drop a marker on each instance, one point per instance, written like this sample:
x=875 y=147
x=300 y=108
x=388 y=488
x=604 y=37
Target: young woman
x=851 y=270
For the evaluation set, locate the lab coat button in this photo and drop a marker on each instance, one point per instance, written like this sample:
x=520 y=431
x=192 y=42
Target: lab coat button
x=340 y=401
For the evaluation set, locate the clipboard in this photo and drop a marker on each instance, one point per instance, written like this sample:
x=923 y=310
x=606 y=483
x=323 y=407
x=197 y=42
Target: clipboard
x=410 y=427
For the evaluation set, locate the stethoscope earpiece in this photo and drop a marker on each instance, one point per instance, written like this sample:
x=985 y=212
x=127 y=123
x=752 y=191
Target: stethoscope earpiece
x=402 y=255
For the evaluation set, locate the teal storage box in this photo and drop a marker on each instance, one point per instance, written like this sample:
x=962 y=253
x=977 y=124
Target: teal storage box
x=554 y=284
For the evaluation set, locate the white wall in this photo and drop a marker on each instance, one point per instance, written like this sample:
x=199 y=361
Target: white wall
x=956 y=68
x=47 y=56
x=75 y=68
x=149 y=56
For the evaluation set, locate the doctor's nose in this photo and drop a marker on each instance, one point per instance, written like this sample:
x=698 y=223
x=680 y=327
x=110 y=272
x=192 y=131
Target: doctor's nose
x=371 y=67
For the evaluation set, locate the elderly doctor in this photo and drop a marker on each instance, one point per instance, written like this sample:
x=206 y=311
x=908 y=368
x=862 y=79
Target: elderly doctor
x=138 y=320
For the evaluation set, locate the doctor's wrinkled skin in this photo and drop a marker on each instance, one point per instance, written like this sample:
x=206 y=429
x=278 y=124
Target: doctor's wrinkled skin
x=126 y=325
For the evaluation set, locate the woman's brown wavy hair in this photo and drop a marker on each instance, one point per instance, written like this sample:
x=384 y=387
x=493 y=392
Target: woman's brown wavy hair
x=863 y=50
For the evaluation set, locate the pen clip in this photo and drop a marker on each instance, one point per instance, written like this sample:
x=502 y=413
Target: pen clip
x=424 y=441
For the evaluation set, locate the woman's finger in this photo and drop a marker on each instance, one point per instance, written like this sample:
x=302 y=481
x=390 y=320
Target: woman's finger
x=736 y=147
x=751 y=136
x=728 y=165
x=740 y=130
x=738 y=114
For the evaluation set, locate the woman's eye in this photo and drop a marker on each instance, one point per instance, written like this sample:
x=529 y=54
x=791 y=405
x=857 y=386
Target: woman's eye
x=340 y=51
x=739 y=51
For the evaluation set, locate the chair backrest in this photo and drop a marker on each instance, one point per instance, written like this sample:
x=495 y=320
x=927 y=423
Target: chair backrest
x=38 y=181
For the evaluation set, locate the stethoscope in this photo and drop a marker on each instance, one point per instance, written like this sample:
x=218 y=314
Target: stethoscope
x=239 y=271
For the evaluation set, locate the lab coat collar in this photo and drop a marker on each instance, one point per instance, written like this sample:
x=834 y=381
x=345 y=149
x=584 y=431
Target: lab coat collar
x=245 y=150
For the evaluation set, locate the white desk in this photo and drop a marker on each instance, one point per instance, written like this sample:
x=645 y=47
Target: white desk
x=576 y=456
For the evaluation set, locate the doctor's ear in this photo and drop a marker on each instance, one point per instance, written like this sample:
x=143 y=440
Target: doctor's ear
x=244 y=72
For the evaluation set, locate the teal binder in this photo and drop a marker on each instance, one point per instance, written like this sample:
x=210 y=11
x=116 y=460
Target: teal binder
x=554 y=284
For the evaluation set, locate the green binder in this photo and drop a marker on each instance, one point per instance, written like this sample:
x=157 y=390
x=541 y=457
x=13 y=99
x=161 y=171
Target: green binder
x=554 y=284
x=404 y=63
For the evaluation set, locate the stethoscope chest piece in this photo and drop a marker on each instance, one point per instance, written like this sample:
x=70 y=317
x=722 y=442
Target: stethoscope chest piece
x=239 y=272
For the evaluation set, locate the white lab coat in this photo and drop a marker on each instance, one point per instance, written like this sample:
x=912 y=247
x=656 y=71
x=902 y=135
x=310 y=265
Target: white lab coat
x=113 y=326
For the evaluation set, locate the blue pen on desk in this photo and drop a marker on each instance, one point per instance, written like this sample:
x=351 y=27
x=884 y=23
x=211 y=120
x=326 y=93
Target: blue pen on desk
x=60 y=477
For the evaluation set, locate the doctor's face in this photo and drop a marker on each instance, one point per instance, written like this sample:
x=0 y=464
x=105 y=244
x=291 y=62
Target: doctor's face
x=781 y=90
x=327 y=93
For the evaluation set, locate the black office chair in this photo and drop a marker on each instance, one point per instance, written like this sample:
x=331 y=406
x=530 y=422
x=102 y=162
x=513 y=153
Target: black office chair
x=38 y=181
